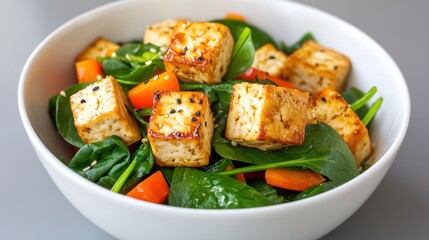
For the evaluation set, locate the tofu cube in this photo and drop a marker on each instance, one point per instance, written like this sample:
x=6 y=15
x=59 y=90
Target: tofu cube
x=160 y=33
x=315 y=67
x=329 y=106
x=100 y=47
x=266 y=117
x=199 y=51
x=180 y=129
x=271 y=60
x=100 y=111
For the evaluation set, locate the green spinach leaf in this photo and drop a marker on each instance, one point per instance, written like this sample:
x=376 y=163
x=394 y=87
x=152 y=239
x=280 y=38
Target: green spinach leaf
x=192 y=188
x=276 y=196
x=141 y=165
x=95 y=160
x=242 y=56
x=259 y=37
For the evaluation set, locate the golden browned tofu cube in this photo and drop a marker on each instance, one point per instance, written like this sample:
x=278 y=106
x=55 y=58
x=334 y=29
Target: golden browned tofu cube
x=271 y=60
x=181 y=129
x=160 y=33
x=266 y=117
x=100 y=47
x=99 y=111
x=328 y=106
x=199 y=51
x=315 y=67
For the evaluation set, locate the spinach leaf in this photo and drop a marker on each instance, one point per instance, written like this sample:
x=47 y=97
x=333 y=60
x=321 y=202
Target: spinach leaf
x=141 y=165
x=242 y=56
x=192 y=188
x=259 y=37
x=276 y=196
x=134 y=63
x=298 y=44
x=95 y=160
x=61 y=114
x=323 y=151
x=317 y=189
x=218 y=166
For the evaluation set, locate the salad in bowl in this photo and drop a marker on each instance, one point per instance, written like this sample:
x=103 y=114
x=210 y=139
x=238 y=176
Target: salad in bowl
x=214 y=114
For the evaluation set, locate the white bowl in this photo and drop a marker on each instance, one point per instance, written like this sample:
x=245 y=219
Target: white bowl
x=50 y=69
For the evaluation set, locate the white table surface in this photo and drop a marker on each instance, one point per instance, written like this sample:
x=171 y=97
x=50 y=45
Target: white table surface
x=32 y=207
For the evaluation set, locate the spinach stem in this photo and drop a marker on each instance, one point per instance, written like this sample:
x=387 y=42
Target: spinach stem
x=124 y=176
x=372 y=111
x=261 y=167
x=364 y=99
x=144 y=112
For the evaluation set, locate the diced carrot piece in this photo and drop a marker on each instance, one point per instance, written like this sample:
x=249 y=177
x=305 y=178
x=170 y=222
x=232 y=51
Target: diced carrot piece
x=235 y=16
x=142 y=95
x=88 y=71
x=153 y=189
x=296 y=180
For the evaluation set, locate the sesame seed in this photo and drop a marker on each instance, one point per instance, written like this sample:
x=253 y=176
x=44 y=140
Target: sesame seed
x=163 y=49
x=156 y=77
x=185 y=49
x=167 y=77
x=191 y=100
x=205 y=123
x=316 y=64
x=156 y=96
x=172 y=111
x=200 y=58
x=144 y=140
x=63 y=94
x=148 y=62
x=114 y=54
x=200 y=102
x=197 y=114
x=180 y=110
x=272 y=57
x=93 y=163
x=95 y=88
x=152 y=50
x=323 y=99
x=179 y=101
x=86 y=169
x=193 y=119
x=99 y=77
x=234 y=144
x=335 y=67
x=82 y=101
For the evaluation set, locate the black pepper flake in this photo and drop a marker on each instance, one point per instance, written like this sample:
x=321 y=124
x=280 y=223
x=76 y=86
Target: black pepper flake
x=191 y=100
x=185 y=49
x=272 y=57
x=197 y=113
x=82 y=101
x=323 y=99
x=156 y=95
x=200 y=58
x=180 y=110
x=200 y=102
x=179 y=101
x=335 y=67
x=205 y=123
x=177 y=134
x=316 y=64
x=193 y=119
x=95 y=88
x=172 y=111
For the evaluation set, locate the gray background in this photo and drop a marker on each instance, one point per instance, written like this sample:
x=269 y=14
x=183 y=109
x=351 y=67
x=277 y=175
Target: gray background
x=31 y=206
